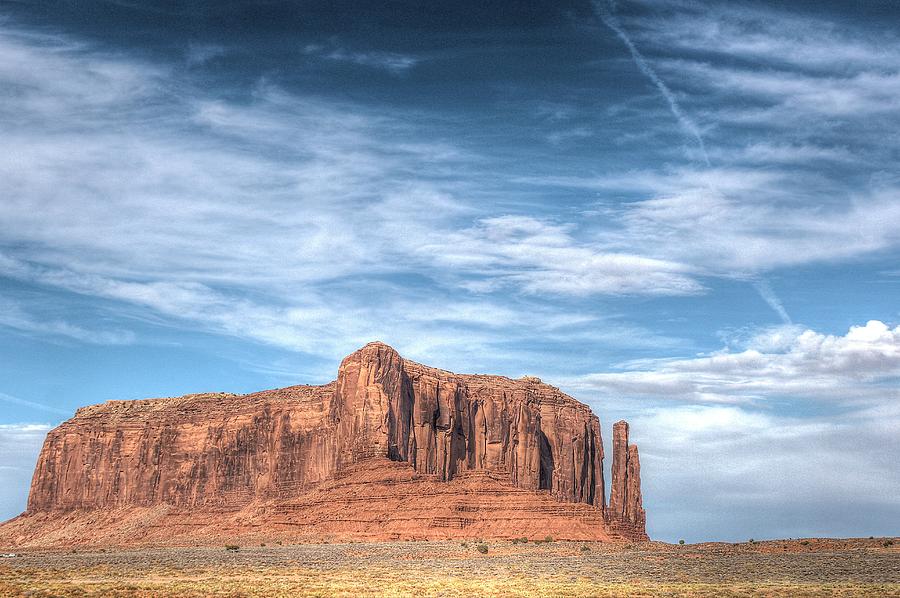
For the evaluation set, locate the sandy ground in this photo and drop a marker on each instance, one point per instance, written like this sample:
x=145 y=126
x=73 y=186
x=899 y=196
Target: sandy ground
x=777 y=568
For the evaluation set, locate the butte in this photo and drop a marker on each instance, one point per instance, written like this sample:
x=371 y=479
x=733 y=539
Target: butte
x=391 y=450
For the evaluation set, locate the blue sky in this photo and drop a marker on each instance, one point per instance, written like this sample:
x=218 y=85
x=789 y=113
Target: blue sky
x=683 y=214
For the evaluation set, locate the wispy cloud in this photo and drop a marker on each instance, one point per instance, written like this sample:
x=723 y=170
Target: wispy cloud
x=392 y=62
x=740 y=222
x=199 y=54
x=252 y=222
x=13 y=315
x=543 y=257
x=765 y=35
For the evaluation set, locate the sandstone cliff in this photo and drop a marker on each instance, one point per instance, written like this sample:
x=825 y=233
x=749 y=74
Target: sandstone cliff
x=474 y=452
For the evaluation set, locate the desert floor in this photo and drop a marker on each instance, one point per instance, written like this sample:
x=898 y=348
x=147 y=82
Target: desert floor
x=863 y=567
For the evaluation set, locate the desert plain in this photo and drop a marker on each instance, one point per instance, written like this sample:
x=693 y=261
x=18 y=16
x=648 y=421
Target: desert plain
x=813 y=567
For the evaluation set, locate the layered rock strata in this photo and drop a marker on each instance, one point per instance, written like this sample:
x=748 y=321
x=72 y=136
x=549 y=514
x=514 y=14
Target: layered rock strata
x=264 y=458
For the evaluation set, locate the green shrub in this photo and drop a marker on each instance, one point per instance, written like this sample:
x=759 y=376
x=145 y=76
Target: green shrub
x=681 y=542
x=585 y=548
x=887 y=543
x=805 y=542
x=483 y=548
x=548 y=539
x=232 y=547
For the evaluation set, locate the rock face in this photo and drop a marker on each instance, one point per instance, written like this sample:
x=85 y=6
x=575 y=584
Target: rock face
x=275 y=461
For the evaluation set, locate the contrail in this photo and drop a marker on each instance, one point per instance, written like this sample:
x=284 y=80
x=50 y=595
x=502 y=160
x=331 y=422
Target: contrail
x=604 y=10
x=765 y=291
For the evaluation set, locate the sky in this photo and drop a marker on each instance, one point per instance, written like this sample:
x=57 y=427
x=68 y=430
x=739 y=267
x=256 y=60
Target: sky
x=684 y=214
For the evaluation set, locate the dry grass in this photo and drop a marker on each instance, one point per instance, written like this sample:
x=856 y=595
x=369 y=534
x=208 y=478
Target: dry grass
x=447 y=568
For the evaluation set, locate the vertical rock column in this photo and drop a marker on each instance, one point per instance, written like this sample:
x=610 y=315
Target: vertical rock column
x=634 y=510
x=626 y=510
x=619 y=487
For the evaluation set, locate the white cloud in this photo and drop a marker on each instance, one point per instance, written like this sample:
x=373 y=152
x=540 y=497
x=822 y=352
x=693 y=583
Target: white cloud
x=544 y=257
x=792 y=94
x=799 y=116
x=393 y=62
x=127 y=183
x=124 y=182
x=767 y=153
x=785 y=362
x=739 y=221
x=765 y=35
x=14 y=316
x=200 y=54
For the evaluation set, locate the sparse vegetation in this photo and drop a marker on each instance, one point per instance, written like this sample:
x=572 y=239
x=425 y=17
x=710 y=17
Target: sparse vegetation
x=232 y=547
x=887 y=543
x=805 y=542
x=522 y=540
x=585 y=548
x=483 y=548
x=827 y=568
x=681 y=542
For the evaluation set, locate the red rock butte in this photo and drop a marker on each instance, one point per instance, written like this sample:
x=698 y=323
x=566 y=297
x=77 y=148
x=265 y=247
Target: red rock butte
x=391 y=450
